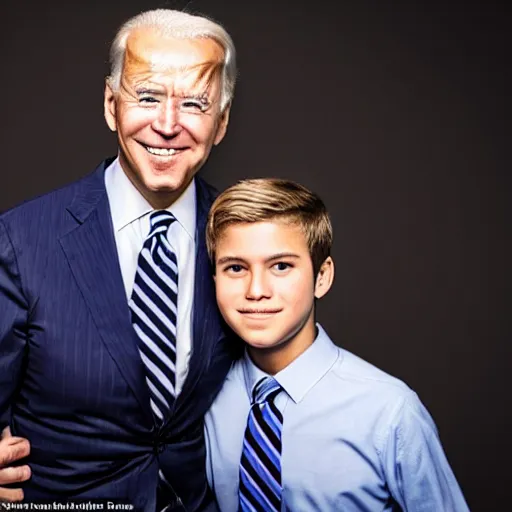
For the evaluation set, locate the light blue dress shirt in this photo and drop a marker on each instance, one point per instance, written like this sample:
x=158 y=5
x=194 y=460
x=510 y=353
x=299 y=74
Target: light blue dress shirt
x=354 y=438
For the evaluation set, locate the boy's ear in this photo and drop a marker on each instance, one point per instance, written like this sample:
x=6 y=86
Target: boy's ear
x=324 y=278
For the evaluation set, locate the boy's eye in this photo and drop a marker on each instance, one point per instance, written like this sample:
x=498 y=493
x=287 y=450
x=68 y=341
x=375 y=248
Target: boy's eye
x=281 y=265
x=234 y=268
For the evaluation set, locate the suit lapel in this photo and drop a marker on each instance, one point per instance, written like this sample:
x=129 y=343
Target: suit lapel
x=92 y=255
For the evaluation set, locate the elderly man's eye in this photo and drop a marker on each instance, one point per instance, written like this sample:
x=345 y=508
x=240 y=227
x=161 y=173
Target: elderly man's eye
x=148 y=99
x=194 y=104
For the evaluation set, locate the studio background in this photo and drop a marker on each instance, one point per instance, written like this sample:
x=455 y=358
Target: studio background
x=395 y=113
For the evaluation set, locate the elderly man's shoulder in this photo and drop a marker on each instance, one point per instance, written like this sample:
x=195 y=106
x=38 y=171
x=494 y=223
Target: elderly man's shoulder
x=51 y=206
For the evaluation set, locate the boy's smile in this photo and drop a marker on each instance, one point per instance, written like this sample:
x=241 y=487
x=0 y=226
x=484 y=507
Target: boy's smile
x=266 y=289
x=259 y=314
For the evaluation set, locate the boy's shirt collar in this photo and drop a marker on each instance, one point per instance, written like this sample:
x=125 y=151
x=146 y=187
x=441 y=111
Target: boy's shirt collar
x=300 y=375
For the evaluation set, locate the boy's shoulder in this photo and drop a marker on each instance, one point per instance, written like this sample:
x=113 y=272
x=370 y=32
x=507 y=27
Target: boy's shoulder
x=349 y=373
x=349 y=379
x=347 y=384
x=234 y=381
x=352 y=367
x=355 y=375
x=232 y=397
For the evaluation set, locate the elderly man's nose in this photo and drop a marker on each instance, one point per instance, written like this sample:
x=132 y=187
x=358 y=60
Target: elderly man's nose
x=167 y=120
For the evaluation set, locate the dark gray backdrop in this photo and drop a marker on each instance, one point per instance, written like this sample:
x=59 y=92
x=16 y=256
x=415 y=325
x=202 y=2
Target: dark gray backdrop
x=394 y=112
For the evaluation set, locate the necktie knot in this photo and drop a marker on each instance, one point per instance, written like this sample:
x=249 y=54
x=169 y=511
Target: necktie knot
x=266 y=389
x=159 y=222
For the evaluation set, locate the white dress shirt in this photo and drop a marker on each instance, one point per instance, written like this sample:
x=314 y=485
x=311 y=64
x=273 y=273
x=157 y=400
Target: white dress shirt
x=130 y=217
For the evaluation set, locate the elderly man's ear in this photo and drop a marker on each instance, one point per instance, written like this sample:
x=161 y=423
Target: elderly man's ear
x=223 y=125
x=109 y=107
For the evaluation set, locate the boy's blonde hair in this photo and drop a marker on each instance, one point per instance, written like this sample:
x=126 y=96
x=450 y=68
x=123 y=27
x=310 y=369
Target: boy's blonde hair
x=267 y=199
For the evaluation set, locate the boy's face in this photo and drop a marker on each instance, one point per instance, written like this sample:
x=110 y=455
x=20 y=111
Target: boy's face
x=266 y=288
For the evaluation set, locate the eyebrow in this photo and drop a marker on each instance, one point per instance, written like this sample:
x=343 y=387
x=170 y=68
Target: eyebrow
x=147 y=90
x=201 y=97
x=196 y=95
x=274 y=257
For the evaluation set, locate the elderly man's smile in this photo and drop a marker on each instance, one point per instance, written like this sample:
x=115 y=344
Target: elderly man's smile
x=163 y=151
x=160 y=151
x=167 y=116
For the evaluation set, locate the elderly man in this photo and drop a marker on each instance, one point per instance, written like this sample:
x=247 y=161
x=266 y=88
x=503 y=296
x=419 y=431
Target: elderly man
x=111 y=347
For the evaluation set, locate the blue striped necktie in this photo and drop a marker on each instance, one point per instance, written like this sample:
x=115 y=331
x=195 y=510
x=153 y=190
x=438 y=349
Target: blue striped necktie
x=260 y=466
x=154 y=312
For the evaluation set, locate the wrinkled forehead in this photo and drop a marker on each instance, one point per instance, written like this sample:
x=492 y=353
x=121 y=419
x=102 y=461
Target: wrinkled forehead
x=149 y=52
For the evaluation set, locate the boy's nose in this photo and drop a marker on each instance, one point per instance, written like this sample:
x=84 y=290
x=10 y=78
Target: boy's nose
x=258 y=286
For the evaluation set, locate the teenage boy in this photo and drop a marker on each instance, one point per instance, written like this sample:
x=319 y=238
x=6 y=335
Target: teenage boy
x=301 y=424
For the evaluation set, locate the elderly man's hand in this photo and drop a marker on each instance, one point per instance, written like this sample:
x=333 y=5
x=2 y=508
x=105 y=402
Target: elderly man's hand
x=12 y=449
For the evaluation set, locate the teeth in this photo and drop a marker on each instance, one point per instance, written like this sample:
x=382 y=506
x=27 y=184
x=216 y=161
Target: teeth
x=161 y=151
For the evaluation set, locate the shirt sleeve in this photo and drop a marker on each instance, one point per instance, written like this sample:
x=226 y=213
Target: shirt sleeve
x=13 y=325
x=418 y=474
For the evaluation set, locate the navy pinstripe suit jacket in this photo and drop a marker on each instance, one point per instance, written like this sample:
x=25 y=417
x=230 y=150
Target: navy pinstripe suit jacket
x=71 y=378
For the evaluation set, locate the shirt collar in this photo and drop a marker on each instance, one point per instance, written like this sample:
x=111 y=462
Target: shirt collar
x=300 y=375
x=127 y=204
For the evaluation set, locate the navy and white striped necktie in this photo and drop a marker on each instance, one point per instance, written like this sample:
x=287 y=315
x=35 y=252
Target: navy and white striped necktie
x=260 y=466
x=154 y=307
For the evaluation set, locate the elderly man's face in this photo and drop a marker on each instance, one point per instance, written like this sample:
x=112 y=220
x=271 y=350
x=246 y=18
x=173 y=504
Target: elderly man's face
x=166 y=112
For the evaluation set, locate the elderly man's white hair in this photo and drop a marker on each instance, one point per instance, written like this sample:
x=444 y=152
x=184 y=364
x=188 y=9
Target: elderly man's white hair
x=180 y=25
